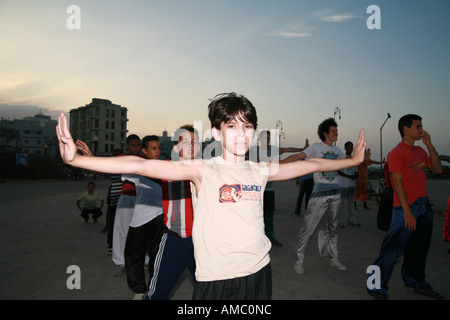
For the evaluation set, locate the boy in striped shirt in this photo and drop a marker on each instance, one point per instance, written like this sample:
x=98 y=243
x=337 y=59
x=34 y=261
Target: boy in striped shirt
x=176 y=251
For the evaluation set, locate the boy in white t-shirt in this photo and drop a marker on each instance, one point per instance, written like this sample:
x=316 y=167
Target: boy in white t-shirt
x=231 y=249
x=146 y=225
x=323 y=207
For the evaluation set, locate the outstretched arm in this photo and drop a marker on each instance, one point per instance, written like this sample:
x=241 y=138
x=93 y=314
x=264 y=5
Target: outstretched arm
x=292 y=149
x=294 y=157
x=158 y=169
x=285 y=171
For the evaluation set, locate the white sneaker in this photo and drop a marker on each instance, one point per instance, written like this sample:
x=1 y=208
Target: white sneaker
x=298 y=268
x=335 y=263
x=139 y=296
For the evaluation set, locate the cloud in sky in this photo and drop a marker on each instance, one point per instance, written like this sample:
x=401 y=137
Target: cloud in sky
x=339 y=17
x=295 y=29
x=303 y=28
x=284 y=34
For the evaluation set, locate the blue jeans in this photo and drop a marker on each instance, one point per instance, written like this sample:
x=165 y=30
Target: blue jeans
x=414 y=244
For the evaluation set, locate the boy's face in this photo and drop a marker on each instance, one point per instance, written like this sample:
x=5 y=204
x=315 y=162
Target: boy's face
x=134 y=146
x=187 y=146
x=153 y=150
x=236 y=137
x=332 y=134
x=348 y=148
x=90 y=188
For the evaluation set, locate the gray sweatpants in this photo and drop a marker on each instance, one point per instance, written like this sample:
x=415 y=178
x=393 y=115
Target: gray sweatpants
x=322 y=214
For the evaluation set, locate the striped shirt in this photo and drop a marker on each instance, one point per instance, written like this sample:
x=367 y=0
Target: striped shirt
x=177 y=206
x=115 y=189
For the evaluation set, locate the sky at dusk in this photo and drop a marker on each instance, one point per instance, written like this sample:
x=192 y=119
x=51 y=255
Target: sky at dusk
x=297 y=61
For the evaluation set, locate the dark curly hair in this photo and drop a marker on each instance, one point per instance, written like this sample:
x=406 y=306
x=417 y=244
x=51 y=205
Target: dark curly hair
x=324 y=127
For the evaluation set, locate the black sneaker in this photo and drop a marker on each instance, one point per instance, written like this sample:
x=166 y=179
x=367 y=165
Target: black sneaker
x=428 y=291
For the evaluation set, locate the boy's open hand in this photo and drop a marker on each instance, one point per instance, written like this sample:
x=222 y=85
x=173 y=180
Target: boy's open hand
x=67 y=147
x=360 y=148
x=83 y=147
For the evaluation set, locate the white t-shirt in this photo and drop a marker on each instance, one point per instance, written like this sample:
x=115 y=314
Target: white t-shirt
x=328 y=180
x=228 y=233
x=345 y=182
x=148 y=203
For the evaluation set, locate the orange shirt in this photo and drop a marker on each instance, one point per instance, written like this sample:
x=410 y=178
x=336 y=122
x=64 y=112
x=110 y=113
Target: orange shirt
x=363 y=170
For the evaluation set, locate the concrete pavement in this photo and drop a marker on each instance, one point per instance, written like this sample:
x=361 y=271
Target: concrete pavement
x=42 y=234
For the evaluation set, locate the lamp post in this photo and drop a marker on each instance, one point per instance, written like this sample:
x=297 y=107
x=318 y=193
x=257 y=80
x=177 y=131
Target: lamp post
x=95 y=145
x=381 y=141
x=95 y=153
x=279 y=127
x=337 y=111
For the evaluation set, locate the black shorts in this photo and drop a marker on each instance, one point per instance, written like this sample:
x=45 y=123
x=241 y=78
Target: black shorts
x=257 y=286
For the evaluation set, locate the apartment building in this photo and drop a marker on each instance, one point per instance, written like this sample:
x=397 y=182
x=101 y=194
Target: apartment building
x=101 y=124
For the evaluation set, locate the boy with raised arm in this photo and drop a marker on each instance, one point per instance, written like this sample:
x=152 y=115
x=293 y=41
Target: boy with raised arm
x=231 y=249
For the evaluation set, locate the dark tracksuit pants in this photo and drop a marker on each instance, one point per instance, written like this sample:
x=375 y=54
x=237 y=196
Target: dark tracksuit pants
x=141 y=241
x=414 y=244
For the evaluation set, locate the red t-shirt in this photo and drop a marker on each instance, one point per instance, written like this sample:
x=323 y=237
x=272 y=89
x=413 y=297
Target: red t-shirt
x=411 y=162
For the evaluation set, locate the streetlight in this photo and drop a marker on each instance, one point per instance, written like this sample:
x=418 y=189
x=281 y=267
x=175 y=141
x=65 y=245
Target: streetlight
x=95 y=144
x=381 y=141
x=279 y=127
x=95 y=152
x=337 y=111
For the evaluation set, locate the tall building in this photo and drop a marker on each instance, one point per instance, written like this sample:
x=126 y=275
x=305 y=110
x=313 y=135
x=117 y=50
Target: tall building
x=101 y=124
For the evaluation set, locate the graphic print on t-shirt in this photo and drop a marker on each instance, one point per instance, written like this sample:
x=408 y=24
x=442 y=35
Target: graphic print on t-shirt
x=330 y=175
x=416 y=165
x=233 y=193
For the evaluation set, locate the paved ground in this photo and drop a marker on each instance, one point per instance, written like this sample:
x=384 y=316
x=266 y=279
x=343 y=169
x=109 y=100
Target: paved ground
x=42 y=235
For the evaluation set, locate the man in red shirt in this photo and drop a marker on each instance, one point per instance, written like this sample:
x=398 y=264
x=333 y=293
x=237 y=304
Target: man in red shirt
x=412 y=218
